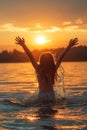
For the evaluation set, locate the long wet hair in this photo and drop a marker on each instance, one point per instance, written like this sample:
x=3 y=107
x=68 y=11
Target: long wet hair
x=47 y=66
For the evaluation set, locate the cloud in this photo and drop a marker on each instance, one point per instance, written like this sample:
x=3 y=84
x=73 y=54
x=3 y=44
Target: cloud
x=39 y=28
x=76 y=25
x=68 y=26
x=67 y=23
x=11 y=28
x=79 y=21
x=71 y=28
x=74 y=28
x=53 y=29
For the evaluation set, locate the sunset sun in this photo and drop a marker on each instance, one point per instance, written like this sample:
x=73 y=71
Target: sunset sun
x=41 y=40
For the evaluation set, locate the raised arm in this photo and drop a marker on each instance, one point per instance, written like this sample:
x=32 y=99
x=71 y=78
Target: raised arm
x=72 y=42
x=21 y=42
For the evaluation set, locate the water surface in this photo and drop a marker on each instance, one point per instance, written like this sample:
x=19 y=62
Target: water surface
x=18 y=81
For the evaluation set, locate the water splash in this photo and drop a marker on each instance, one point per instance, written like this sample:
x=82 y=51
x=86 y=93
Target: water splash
x=59 y=90
x=59 y=84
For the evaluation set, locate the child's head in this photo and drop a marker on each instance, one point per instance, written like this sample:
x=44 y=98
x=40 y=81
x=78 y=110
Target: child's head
x=47 y=66
x=47 y=61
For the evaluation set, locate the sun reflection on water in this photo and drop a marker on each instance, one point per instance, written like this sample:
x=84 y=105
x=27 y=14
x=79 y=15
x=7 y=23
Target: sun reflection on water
x=32 y=118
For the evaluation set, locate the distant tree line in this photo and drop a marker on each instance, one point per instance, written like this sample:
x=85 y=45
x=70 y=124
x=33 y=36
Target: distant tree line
x=75 y=54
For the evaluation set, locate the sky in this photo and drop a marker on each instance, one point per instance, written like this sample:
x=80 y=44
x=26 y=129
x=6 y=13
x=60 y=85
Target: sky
x=43 y=23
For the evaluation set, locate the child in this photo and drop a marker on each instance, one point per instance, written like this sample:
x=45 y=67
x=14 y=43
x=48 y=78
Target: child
x=46 y=69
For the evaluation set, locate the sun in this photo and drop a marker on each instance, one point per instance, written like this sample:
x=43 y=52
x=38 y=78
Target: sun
x=41 y=40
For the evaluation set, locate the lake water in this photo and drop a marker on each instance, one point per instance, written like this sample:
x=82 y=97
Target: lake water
x=17 y=82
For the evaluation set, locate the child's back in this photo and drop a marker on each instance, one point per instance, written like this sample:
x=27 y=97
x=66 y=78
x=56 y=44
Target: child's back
x=46 y=72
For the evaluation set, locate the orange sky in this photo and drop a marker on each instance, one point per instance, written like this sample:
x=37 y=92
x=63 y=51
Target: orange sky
x=57 y=21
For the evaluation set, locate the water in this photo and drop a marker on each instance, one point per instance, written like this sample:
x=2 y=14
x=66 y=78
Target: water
x=17 y=82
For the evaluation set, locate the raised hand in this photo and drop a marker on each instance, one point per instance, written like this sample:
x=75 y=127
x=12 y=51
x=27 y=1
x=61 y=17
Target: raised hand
x=20 y=41
x=73 y=42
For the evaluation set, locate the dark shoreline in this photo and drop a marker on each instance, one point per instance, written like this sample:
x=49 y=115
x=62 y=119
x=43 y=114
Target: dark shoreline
x=76 y=54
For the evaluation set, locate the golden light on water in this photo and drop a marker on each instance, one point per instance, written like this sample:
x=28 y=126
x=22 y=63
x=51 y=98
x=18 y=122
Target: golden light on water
x=32 y=118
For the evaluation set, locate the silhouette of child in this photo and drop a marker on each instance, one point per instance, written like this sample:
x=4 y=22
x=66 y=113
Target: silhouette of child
x=46 y=69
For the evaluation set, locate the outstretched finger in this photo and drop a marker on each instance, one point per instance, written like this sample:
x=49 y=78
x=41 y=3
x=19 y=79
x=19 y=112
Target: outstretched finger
x=23 y=40
x=71 y=40
x=17 y=38
x=75 y=40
